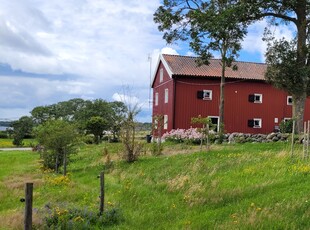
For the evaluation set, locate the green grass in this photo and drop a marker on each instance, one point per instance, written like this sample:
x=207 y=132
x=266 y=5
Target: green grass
x=249 y=186
x=8 y=143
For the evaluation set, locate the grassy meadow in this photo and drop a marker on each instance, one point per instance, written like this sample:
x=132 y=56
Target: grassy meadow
x=241 y=186
x=8 y=143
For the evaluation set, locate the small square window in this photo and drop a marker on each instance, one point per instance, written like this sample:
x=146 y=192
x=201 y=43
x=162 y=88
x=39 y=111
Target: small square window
x=258 y=98
x=207 y=94
x=257 y=123
x=289 y=100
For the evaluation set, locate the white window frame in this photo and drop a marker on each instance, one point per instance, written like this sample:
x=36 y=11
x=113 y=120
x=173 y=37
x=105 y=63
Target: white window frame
x=218 y=122
x=161 y=75
x=260 y=98
x=259 y=125
x=288 y=98
x=156 y=99
x=205 y=93
x=165 y=121
x=166 y=95
x=287 y=119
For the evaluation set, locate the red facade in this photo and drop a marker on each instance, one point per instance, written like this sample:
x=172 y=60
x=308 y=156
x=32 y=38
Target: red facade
x=251 y=105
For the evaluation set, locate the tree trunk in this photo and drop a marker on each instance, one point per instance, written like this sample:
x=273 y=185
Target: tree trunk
x=65 y=163
x=299 y=100
x=56 y=164
x=221 y=105
x=298 y=111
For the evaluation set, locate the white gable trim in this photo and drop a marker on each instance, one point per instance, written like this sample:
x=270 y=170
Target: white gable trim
x=161 y=59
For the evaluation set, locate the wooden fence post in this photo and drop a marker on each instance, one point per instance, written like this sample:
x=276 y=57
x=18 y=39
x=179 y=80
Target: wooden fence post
x=292 y=143
x=304 y=140
x=28 y=206
x=101 y=193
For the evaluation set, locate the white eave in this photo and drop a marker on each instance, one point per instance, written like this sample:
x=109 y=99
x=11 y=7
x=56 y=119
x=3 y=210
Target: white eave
x=161 y=59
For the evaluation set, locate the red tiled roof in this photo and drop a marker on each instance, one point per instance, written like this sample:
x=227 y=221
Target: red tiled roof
x=186 y=66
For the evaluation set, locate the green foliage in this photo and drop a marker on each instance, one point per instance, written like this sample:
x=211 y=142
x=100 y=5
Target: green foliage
x=286 y=126
x=283 y=68
x=81 y=111
x=59 y=139
x=96 y=126
x=21 y=129
x=74 y=218
x=3 y=134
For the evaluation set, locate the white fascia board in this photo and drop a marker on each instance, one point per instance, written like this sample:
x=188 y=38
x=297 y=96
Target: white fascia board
x=161 y=59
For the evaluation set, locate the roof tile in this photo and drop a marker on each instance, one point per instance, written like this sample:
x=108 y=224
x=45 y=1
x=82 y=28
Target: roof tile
x=187 y=66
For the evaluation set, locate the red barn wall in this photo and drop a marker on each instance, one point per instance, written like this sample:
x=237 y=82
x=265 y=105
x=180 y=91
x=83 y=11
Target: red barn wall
x=238 y=109
x=159 y=87
x=183 y=103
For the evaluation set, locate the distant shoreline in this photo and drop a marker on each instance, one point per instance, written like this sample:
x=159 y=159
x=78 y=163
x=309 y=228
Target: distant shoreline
x=3 y=128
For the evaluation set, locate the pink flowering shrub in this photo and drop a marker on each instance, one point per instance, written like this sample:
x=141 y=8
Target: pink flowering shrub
x=183 y=135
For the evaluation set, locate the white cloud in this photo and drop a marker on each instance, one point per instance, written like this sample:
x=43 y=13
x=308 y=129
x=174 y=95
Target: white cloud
x=253 y=42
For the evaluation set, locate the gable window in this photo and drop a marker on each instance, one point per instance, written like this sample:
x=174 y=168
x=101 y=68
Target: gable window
x=161 y=75
x=205 y=94
x=156 y=99
x=289 y=100
x=256 y=98
x=165 y=121
x=255 y=123
x=166 y=95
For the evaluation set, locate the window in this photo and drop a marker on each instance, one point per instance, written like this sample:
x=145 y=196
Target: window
x=205 y=94
x=215 y=120
x=256 y=98
x=156 y=99
x=165 y=121
x=161 y=75
x=255 y=123
x=289 y=100
x=166 y=95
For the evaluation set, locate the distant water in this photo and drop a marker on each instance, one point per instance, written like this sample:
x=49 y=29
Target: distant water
x=2 y=128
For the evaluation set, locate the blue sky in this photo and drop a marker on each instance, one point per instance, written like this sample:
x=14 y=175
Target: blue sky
x=52 y=51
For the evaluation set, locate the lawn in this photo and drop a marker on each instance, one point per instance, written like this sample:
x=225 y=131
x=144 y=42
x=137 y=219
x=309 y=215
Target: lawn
x=8 y=143
x=241 y=186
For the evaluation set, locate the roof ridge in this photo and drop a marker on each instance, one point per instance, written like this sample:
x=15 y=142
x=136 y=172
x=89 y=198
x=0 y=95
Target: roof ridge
x=193 y=57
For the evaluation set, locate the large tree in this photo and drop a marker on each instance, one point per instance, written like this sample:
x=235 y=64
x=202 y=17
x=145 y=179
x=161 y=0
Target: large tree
x=289 y=12
x=209 y=26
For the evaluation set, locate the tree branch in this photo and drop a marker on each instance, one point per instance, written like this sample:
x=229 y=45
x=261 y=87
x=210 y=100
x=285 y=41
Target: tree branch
x=276 y=15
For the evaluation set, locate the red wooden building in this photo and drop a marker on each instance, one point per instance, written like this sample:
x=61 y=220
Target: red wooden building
x=182 y=90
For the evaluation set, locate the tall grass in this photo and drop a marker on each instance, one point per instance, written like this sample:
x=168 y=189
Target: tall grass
x=249 y=186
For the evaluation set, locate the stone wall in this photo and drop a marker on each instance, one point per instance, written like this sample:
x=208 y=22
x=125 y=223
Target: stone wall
x=246 y=137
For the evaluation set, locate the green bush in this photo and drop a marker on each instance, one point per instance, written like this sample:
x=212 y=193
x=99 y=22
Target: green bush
x=3 y=134
x=75 y=218
x=286 y=126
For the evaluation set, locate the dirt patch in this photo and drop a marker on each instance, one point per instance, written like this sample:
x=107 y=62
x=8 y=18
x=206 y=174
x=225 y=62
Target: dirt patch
x=15 y=220
x=19 y=181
